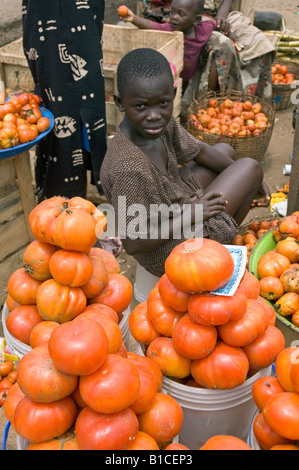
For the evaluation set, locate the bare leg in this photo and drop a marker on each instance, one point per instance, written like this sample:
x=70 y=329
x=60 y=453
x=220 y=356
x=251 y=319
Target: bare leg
x=205 y=175
x=213 y=77
x=239 y=184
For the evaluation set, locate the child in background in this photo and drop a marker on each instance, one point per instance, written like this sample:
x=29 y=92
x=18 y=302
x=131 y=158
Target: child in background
x=148 y=163
x=185 y=16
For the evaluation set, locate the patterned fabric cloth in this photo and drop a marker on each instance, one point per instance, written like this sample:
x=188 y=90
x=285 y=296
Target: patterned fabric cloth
x=62 y=43
x=127 y=172
x=156 y=10
x=252 y=77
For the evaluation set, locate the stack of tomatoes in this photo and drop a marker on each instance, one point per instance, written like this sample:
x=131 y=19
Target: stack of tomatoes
x=8 y=377
x=281 y=75
x=276 y=425
x=21 y=120
x=103 y=401
x=79 y=387
x=234 y=119
x=199 y=338
x=253 y=233
x=63 y=273
x=278 y=270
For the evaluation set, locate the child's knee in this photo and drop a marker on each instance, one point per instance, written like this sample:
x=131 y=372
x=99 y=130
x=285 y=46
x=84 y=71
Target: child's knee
x=254 y=169
x=226 y=150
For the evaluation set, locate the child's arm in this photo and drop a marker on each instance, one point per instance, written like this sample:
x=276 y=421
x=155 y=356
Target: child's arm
x=141 y=23
x=221 y=17
x=212 y=204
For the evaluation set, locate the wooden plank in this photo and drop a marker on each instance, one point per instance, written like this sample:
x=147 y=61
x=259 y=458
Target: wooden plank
x=7 y=171
x=24 y=177
x=293 y=196
x=13 y=235
x=10 y=203
x=7 y=267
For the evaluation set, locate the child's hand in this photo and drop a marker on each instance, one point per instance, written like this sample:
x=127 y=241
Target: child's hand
x=222 y=25
x=128 y=17
x=213 y=204
x=263 y=198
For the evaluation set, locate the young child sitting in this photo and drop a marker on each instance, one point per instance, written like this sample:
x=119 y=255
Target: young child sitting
x=152 y=161
x=185 y=16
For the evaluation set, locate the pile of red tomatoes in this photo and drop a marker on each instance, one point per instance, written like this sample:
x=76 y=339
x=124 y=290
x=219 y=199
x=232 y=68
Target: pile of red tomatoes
x=275 y=426
x=281 y=75
x=231 y=118
x=21 y=120
x=199 y=338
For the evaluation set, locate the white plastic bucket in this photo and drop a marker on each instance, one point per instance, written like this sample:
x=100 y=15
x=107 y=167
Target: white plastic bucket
x=252 y=441
x=144 y=283
x=212 y=412
x=19 y=349
x=124 y=326
x=22 y=444
x=15 y=346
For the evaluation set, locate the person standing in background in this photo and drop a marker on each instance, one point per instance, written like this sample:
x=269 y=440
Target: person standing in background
x=62 y=41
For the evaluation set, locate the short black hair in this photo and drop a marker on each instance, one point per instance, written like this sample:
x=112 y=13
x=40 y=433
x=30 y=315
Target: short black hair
x=142 y=63
x=197 y=6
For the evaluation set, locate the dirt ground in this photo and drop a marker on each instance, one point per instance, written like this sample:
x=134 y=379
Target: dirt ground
x=277 y=155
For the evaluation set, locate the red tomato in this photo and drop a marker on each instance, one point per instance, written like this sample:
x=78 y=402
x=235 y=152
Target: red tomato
x=6 y=109
x=21 y=321
x=176 y=299
x=24 y=98
x=163 y=420
x=26 y=134
x=281 y=413
x=39 y=422
x=263 y=389
x=244 y=331
x=147 y=389
x=97 y=431
x=39 y=378
x=116 y=294
x=78 y=347
x=5 y=384
x=262 y=352
x=141 y=327
x=223 y=442
x=5 y=368
x=143 y=441
x=111 y=328
x=209 y=309
x=123 y=10
x=151 y=365
x=225 y=368
x=172 y=363
x=112 y=387
x=8 y=137
x=265 y=436
x=43 y=124
x=14 y=395
x=193 y=340
x=162 y=316
x=3 y=396
x=283 y=365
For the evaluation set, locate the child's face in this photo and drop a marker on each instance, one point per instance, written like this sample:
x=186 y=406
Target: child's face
x=183 y=15
x=148 y=104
